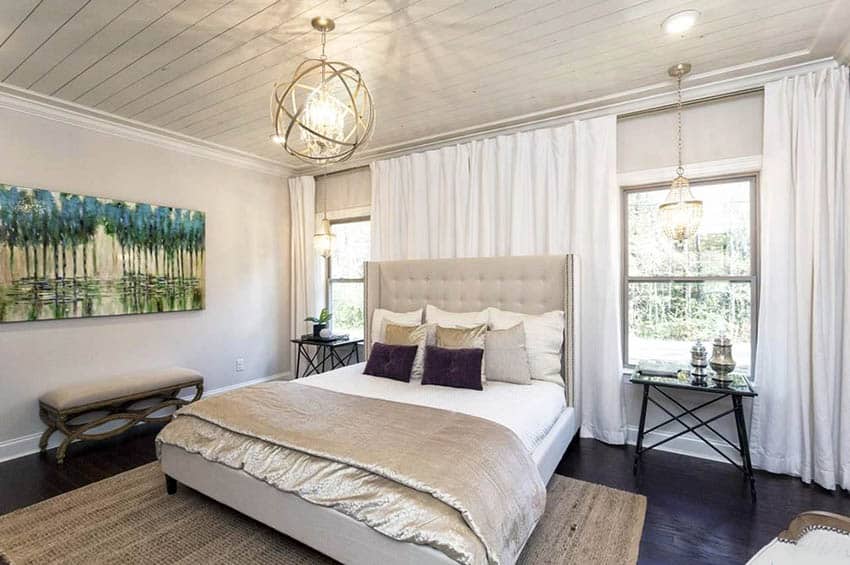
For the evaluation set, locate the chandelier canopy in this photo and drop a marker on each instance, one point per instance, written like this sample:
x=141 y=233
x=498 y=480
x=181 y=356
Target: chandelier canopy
x=325 y=112
x=680 y=212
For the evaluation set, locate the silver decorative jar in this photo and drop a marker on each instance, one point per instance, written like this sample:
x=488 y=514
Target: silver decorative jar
x=699 y=363
x=721 y=359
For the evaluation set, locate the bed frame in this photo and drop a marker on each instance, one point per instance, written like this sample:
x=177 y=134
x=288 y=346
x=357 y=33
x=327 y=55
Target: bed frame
x=532 y=285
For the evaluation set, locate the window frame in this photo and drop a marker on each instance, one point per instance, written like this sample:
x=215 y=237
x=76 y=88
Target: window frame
x=755 y=263
x=329 y=279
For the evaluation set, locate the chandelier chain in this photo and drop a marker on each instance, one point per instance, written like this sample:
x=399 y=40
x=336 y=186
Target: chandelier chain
x=680 y=170
x=325 y=191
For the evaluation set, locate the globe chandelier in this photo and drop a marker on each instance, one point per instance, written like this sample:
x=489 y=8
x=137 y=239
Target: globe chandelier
x=325 y=112
x=680 y=212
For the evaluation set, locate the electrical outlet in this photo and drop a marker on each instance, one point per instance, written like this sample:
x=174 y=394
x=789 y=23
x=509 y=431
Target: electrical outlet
x=240 y=364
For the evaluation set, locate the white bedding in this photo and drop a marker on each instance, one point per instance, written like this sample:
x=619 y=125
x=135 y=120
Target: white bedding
x=529 y=411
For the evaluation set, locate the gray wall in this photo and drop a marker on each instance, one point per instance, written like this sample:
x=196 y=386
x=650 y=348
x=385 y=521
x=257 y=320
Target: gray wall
x=247 y=278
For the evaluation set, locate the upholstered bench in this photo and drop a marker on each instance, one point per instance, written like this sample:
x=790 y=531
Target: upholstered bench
x=134 y=398
x=811 y=537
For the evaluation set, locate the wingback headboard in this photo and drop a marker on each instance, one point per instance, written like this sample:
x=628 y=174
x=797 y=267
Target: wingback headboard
x=528 y=284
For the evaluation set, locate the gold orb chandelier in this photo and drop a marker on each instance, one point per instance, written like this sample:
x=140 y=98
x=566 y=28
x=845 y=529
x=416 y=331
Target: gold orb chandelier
x=680 y=212
x=325 y=112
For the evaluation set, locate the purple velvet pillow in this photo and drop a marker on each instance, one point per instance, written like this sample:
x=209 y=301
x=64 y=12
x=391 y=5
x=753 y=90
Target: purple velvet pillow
x=391 y=361
x=460 y=368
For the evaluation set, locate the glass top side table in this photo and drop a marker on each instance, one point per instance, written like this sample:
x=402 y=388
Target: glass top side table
x=325 y=353
x=665 y=387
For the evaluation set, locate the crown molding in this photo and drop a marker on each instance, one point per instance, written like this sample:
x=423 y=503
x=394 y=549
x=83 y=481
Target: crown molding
x=704 y=85
x=54 y=109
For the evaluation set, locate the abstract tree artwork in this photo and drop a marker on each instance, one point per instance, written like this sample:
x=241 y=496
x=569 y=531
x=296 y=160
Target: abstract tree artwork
x=68 y=256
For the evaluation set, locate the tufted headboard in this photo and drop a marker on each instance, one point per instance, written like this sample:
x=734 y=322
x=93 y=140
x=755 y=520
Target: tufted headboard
x=527 y=284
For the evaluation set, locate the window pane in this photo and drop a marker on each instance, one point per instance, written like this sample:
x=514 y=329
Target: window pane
x=665 y=319
x=351 y=249
x=347 y=308
x=720 y=248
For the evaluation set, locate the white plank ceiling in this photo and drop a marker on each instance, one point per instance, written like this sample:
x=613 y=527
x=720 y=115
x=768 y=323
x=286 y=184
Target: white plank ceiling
x=205 y=68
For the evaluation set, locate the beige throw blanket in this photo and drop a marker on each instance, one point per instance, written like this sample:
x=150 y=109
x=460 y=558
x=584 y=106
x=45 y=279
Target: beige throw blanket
x=463 y=485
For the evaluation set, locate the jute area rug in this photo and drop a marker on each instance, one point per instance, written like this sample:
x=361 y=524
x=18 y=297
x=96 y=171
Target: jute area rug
x=129 y=519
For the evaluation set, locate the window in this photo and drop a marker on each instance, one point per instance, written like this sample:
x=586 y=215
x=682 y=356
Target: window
x=675 y=293
x=345 y=276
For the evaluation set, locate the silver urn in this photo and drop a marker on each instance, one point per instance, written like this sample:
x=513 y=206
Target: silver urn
x=721 y=359
x=699 y=363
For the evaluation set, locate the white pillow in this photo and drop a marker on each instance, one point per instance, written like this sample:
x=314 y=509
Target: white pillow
x=434 y=315
x=380 y=317
x=544 y=338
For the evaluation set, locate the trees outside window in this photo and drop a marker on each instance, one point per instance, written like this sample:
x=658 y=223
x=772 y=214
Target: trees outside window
x=675 y=293
x=346 y=276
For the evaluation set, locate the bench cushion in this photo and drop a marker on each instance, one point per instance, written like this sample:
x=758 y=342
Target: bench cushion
x=74 y=396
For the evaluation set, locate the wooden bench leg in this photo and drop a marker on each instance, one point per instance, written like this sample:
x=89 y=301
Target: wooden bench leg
x=63 y=449
x=170 y=485
x=42 y=443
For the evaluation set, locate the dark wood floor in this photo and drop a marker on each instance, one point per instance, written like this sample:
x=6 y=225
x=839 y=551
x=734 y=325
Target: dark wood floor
x=699 y=512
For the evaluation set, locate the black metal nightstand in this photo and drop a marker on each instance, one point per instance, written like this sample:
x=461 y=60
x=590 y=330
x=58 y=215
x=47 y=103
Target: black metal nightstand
x=326 y=352
x=737 y=390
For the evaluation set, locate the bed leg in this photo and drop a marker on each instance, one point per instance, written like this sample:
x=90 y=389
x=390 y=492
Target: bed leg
x=170 y=485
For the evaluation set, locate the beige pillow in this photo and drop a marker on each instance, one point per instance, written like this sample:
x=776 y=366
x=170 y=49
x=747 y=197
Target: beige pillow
x=544 y=340
x=506 y=357
x=420 y=336
x=464 y=338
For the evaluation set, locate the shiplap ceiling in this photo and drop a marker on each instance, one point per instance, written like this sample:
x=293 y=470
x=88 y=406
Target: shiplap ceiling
x=205 y=68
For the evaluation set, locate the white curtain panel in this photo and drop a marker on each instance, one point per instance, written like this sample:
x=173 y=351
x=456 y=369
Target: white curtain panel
x=306 y=297
x=540 y=192
x=801 y=419
x=419 y=204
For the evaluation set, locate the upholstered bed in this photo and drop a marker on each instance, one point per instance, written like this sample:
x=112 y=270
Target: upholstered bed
x=540 y=416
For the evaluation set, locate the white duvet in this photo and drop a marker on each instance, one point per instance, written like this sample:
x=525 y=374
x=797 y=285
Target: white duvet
x=529 y=411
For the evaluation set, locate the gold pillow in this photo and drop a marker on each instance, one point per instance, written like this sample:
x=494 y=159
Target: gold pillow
x=396 y=334
x=463 y=338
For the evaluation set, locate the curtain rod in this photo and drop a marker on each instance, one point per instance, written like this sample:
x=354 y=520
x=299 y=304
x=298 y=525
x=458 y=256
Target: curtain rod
x=624 y=116
x=694 y=102
x=339 y=171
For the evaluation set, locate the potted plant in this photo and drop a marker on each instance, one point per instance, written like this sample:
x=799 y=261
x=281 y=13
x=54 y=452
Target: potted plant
x=319 y=323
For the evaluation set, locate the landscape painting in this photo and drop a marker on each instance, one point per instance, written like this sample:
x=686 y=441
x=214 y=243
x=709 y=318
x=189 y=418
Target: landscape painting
x=68 y=256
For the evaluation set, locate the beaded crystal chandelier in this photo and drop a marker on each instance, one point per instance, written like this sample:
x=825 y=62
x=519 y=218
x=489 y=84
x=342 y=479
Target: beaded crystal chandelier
x=680 y=212
x=325 y=112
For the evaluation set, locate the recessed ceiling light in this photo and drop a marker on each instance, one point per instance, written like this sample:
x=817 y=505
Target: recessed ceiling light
x=680 y=22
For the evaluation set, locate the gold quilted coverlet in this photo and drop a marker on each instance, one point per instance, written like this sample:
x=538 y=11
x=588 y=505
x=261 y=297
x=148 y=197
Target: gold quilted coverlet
x=460 y=484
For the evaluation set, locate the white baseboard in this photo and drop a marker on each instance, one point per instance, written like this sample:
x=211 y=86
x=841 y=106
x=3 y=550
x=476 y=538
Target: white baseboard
x=27 y=445
x=685 y=445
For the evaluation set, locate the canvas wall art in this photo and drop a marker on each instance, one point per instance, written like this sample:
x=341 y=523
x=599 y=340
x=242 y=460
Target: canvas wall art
x=69 y=256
